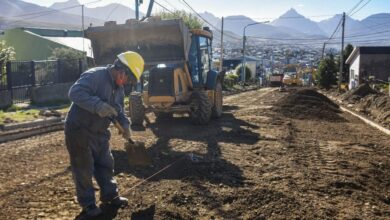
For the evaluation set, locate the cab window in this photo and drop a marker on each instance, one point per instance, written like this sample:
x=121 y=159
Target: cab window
x=205 y=57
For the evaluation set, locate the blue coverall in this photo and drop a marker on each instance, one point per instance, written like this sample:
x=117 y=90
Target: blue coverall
x=87 y=135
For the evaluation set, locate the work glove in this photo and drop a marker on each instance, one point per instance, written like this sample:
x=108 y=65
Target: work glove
x=126 y=134
x=106 y=110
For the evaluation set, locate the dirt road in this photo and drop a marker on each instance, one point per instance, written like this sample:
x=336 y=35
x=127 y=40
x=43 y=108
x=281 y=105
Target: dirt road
x=272 y=155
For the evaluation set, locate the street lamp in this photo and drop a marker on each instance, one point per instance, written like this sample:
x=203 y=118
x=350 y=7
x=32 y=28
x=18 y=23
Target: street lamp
x=243 y=48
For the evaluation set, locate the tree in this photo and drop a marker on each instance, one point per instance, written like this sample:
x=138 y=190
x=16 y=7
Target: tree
x=66 y=54
x=327 y=71
x=6 y=54
x=69 y=62
x=191 y=20
x=347 y=51
x=248 y=72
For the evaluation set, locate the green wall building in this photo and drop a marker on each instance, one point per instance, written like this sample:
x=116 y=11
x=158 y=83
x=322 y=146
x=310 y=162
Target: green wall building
x=38 y=43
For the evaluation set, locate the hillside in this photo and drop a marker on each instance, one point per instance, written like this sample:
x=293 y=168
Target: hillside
x=111 y=12
x=16 y=13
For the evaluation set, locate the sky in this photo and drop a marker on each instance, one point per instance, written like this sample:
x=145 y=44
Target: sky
x=256 y=9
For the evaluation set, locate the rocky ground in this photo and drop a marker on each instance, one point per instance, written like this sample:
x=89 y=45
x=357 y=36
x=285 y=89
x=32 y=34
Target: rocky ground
x=272 y=155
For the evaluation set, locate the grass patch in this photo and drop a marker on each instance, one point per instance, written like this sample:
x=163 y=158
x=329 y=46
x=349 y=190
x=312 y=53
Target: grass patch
x=19 y=115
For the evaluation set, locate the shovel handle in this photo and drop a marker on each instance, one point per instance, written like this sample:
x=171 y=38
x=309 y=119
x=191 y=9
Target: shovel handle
x=120 y=128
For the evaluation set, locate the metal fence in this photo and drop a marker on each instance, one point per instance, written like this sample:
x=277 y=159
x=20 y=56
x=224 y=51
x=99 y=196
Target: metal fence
x=22 y=76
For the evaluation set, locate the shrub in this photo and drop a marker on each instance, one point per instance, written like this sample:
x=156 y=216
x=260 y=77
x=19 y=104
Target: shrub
x=248 y=72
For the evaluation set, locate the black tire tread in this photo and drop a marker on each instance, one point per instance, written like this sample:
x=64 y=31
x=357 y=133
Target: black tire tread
x=217 y=110
x=203 y=114
x=136 y=109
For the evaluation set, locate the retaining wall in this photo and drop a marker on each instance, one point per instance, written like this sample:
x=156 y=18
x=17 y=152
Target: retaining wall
x=5 y=99
x=50 y=93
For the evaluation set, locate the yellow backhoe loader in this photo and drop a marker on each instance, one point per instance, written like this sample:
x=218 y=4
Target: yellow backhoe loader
x=178 y=74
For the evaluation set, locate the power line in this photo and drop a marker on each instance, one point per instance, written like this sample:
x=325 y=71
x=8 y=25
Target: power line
x=44 y=13
x=360 y=8
x=162 y=6
x=112 y=11
x=271 y=18
x=335 y=31
x=171 y=5
x=215 y=28
x=318 y=43
x=199 y=14
x=53 y=10
x=354 y=7
x=319 y=39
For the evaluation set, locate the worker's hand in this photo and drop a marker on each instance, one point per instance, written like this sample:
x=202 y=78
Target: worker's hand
x=106 y=110
x=126 y=134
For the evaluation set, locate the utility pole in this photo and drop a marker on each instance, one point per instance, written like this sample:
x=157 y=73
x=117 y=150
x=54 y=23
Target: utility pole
x=342 y=52
x=82 y=24
x=221 y=58
x=243 y=58
x=149 y=12
x=136 y=9
x=243 y=48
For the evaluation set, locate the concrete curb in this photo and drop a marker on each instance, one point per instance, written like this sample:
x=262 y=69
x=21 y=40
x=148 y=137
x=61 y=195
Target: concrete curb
x=367 y=121
x=34 y=131
x=364 y=119
x=36 y=123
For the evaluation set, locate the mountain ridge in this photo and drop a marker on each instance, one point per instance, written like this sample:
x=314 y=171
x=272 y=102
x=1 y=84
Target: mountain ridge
x=290 y=25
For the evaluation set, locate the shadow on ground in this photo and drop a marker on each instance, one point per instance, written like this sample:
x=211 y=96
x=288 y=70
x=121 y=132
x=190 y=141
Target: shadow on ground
x=210 y=166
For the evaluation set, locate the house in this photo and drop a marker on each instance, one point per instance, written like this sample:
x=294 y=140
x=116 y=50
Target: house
x=251 y=62
x=39 y=43
x=368 y=62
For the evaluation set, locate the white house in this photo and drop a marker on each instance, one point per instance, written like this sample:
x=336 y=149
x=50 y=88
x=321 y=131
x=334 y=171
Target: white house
x=368 y=62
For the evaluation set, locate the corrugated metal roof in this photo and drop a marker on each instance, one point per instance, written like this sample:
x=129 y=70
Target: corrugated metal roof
x=55 y=32
x=77 y=43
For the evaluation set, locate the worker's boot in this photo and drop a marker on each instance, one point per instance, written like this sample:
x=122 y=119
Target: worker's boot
x=119 y=202
x=92 y=211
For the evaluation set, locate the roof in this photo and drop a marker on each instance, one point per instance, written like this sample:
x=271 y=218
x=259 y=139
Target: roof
x=366 y=50
x=54 y=32
x=77 y=43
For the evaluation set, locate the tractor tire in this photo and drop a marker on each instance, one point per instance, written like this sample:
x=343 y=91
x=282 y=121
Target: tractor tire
x=136 y=109
x=200 y=106
x=218 y=101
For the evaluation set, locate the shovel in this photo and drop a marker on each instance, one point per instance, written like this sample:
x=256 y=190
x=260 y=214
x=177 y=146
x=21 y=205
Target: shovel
x=136 y=152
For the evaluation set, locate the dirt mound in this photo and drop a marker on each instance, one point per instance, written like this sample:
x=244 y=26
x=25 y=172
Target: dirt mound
x=377 y=106
x=358 y=93
x=308 y=104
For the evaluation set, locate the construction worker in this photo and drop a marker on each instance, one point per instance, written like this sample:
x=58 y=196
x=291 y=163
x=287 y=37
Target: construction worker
x=97 y=97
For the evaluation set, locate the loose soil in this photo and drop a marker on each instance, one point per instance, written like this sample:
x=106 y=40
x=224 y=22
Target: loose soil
x=366 y=101
x=272 y=155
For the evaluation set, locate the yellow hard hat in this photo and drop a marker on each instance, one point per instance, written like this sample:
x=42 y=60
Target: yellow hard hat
x=133 y=61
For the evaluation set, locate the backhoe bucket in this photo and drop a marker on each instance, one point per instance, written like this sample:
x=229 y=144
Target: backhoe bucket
x=157 y=41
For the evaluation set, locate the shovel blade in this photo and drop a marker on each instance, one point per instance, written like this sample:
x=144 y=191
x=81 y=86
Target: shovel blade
x=137 y=154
